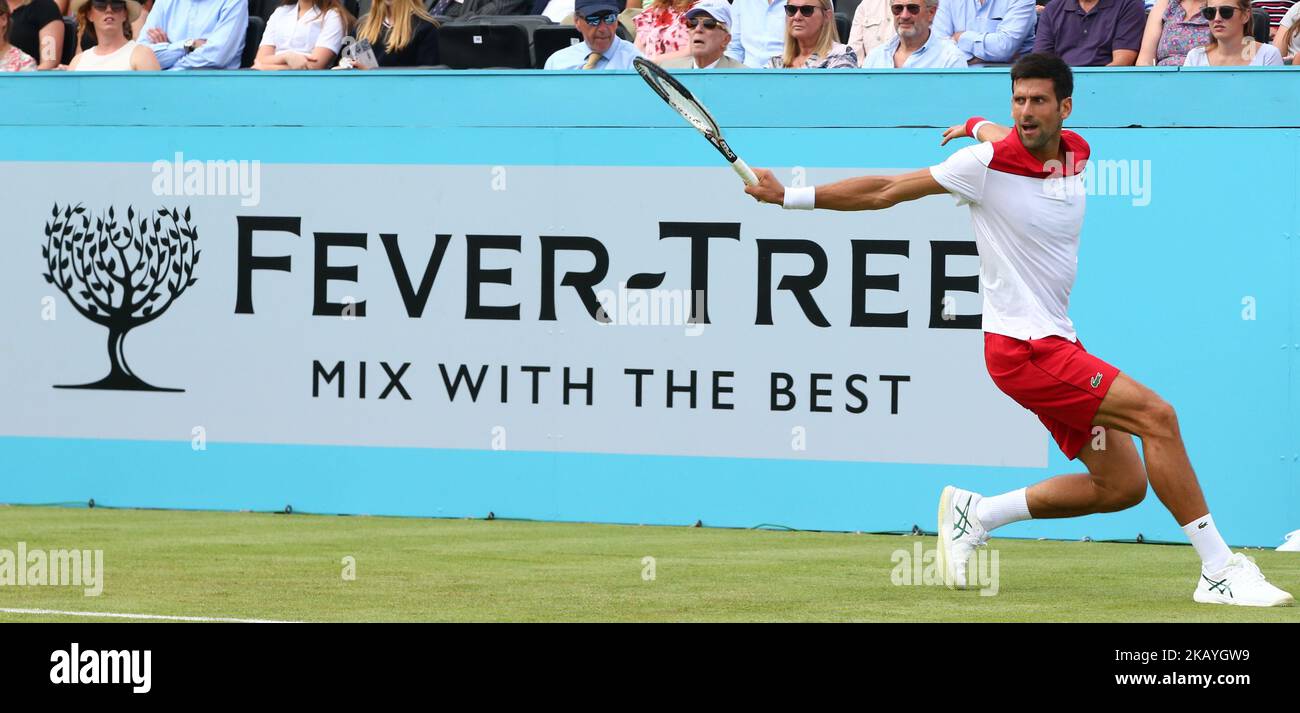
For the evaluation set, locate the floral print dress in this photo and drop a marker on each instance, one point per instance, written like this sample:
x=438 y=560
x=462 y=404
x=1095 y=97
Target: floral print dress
x=15 y=60
x=661 y=30
x=1180 y=35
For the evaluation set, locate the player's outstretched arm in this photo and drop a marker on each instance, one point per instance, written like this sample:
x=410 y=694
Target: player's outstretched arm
x=986 y=130
x=860 y=193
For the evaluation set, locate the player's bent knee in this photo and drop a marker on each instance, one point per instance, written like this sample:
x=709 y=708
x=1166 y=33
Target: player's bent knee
x=1157 y=418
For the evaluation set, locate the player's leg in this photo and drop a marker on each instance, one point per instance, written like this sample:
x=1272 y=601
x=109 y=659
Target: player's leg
x=1132 y=407
x=1226 y=578
x=1115 y=481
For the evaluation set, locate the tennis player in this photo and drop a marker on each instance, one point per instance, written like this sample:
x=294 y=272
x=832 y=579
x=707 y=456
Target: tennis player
x=1026 y=197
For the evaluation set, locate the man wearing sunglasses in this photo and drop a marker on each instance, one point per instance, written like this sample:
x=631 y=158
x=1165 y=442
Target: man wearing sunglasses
x=1092 y=33
x=914 y=45
x=1025 y=189
x=757 y=31
x=197 y=34
x=707 y=24
x=600 y=48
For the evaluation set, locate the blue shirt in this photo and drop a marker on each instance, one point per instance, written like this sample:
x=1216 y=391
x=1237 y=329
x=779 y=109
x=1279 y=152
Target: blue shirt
x=937 y=52
x=222 y=25
x=619 y=56
x=757 y=31
x=997 y=31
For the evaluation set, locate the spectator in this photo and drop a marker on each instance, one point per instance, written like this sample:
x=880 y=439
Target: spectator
x=402 y=34
x=1092 y=33
x=989 y=31
x=12 y=59
x=1287 y=41
x=914 y=44
x=600 y=48
x=303 y=34
x=1230 y=41
x=1173 y=28
x=757 y=31
x=871 y=27
x=114 y=50
x=86 y=31
x=811 y=38
x=661 y=30
x=707 y=22
x=197 y=34
x=1276 y=9
x=474 y=8
x=36 y=29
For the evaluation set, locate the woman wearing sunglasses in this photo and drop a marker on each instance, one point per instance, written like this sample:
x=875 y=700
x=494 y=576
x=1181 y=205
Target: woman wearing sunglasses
x=811 y=39
x=1173 y=28
x=1231 y=44
x=114 y=51
x=12 y=59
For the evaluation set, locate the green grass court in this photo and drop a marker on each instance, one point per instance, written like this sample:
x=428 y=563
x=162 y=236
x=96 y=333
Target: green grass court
x=289 y=567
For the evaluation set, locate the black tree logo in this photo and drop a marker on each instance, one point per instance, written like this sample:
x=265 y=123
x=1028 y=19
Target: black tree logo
x=120 y=276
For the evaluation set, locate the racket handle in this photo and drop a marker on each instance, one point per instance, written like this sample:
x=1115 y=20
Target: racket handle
x=745 y=172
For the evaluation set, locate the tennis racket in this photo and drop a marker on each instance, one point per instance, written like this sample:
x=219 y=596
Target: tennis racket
x=681 y=99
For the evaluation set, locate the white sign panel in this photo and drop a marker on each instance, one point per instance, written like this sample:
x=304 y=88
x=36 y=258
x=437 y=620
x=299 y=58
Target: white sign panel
x=588 y=309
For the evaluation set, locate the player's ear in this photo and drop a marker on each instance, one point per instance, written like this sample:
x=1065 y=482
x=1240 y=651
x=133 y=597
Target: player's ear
x=1067 y=106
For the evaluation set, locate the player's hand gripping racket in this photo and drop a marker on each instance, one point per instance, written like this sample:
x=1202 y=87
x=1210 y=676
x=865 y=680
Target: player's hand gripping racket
x=681 y=99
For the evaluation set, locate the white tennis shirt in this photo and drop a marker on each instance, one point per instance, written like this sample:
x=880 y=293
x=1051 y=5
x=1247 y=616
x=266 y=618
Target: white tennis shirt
x=1027 y=219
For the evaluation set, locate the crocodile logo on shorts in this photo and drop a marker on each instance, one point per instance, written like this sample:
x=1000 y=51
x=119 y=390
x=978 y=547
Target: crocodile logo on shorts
x=1096 y=380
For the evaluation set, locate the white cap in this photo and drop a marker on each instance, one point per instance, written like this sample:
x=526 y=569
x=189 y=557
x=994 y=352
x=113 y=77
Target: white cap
x=717 y=9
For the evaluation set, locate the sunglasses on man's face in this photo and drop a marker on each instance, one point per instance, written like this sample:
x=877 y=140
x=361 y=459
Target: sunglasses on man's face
x=1225 y=11
x=608 y=18
x=805 y=10
x=114 y=5
x=708 y=23
x=912 y=9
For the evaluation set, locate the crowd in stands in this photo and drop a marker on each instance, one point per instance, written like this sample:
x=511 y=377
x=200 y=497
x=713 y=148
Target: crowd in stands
x=124 y=35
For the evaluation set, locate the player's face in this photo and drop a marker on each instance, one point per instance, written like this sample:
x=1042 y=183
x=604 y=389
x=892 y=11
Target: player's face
x=599 y=37
x=1037 y=113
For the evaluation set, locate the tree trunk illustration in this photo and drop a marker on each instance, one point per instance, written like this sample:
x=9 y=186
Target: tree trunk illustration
x=120 y=276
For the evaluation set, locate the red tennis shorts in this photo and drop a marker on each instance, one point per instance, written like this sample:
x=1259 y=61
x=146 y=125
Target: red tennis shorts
x=1056 y=379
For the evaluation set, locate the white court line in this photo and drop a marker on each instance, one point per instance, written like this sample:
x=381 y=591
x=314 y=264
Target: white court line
x=158 y=617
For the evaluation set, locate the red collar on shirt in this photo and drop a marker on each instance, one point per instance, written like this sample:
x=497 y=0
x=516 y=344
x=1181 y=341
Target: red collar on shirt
x=1011 y=156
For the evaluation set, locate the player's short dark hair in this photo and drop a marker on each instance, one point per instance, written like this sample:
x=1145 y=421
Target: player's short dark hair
x=1041 y=65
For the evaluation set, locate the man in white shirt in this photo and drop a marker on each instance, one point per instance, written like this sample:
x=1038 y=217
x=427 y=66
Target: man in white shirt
x=913 y=45
x=707 y=24
x=601 y=48
x=1025 y=192
x=757 y=31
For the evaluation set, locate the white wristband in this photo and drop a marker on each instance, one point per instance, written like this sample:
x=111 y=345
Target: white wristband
x=800 y=198
x=975 y=131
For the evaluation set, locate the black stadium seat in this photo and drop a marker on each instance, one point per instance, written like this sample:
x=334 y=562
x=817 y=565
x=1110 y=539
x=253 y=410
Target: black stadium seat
x=551 y=39
x=842 y=24
x=69 y=40
x=484 y=46
x=252 y=38
x=1261 y=24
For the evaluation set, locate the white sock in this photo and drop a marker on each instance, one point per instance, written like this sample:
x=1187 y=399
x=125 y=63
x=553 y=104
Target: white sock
x=1208 y=543
x=998 y=510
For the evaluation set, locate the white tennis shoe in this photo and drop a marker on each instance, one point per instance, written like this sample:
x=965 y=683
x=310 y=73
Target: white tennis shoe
x=960 y=532
x=1239 y=583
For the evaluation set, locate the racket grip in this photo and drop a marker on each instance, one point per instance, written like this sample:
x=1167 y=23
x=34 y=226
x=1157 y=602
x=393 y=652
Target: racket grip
x=745 y=172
